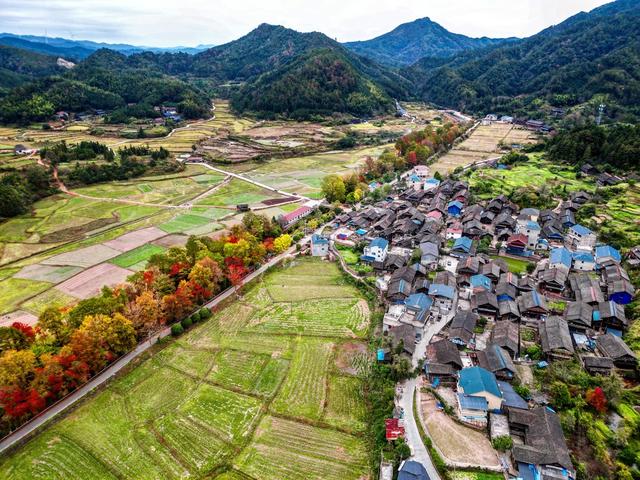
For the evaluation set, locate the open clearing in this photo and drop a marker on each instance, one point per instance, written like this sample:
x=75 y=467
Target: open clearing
x=483 y=143
x=228 y=396
x=456 y=442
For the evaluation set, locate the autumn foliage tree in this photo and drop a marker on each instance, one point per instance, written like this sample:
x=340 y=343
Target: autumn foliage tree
x=597 y=399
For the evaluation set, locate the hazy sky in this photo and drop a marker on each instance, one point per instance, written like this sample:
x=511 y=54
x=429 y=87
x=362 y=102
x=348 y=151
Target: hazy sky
x=192 y=22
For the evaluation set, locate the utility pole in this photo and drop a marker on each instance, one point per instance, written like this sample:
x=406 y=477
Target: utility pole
x=600 y=112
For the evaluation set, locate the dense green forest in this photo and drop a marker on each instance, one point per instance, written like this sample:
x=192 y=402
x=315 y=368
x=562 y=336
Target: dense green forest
x=323 y=81
x=106 y=80
x=19 y=66
x=594 y=54
x=615 y=147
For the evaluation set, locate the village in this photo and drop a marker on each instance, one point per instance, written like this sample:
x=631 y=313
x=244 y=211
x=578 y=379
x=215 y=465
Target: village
x=480 y=297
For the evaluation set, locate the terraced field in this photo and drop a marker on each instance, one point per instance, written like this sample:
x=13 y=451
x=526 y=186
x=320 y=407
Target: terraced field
x=267 y=389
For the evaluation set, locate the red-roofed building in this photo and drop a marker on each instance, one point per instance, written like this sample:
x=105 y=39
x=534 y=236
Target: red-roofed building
x=517 y=244
x=394 y=429
x=435 y=214
x=291 y=218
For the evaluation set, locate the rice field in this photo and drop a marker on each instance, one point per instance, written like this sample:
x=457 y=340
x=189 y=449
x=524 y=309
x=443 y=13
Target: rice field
x=304 y=175
x=235 y=192
x=228 y=400
x=483 y=143
x=136 y=256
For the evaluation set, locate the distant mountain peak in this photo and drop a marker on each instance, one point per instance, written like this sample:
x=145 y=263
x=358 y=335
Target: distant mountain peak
x=411 y=41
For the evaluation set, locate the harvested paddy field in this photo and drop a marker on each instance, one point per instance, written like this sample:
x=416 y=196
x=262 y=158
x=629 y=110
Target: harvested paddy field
x=230 y=399
x=483 y=143
x=303 y=175
x=90 y=282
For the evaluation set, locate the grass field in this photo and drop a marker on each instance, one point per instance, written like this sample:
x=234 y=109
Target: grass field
x=534 y=173
x=228 y=398
x=515 y=265
x=237 y=191
x=137 y=255
x=304 y=175
x=14 y=291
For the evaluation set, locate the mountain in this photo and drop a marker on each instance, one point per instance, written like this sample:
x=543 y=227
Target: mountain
x=285 y=71
x=19 y=66
x=590 y=56
x=69 y=53
x=412 y=41
x=105 y=80
x=262 y=50
x=318 y=82
x=80 y=49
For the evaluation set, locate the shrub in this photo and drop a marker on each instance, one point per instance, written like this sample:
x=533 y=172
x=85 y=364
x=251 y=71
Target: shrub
x=186 y=323
x=502 y=443
x=196 y=317
x=205 y=313
x=177 y=330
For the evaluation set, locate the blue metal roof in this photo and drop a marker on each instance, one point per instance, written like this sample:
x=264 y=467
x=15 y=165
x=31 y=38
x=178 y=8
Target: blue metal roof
x=379 y=242
x=477 y=380
x=441 y=290
x=560 y=256
x=319 y=239
x=531 y=225
x=414 y=178
x=361 y=231
x=367 y=258
x=418 y=301
x=583 y=257
x=463 y=243
x=481 y=281
x=608 y=251
x=455 y=203
x=432 y=181
x=510 y=397
x=580 y=230
x=469 y=402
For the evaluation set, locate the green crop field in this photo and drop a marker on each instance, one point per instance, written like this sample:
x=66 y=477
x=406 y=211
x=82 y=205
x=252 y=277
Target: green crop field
x=252 y=393
x=185 y=223
x=237 y=191
x=515 y=265
x=534 y=173
x=137 y=255
x=14 y=291
x=304 y=175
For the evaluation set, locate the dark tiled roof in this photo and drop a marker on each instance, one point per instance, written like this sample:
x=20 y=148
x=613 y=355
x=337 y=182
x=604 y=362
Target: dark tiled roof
x=544 y=442
x=554 y=335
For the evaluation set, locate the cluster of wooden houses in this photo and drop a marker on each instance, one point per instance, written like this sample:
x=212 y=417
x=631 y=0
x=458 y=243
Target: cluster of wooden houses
x=423 y=246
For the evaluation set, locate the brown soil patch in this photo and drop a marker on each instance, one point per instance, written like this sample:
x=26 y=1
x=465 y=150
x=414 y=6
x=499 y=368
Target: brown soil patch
x=345 y=355
x=456 y=442
x=73 y=233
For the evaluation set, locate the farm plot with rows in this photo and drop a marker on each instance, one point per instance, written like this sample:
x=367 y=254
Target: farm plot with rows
x=263 y=390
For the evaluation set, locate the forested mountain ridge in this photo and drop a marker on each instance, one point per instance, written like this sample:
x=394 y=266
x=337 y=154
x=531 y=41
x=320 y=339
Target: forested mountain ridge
x=319 y=82
x=589 y=54
x=19 y=66
x=409 y=42
x=112 y=80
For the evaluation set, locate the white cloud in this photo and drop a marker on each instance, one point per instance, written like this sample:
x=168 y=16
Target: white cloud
x=192 y=22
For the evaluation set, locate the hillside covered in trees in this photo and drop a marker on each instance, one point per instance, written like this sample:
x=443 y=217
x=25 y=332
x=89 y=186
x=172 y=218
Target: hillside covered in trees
x=590 y=54
x=615 y=147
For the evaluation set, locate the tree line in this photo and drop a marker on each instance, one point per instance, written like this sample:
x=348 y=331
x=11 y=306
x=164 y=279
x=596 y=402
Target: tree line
x=41 y=364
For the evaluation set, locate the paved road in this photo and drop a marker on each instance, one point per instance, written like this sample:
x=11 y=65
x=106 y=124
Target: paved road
x=419 y=452
x=114 y=368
